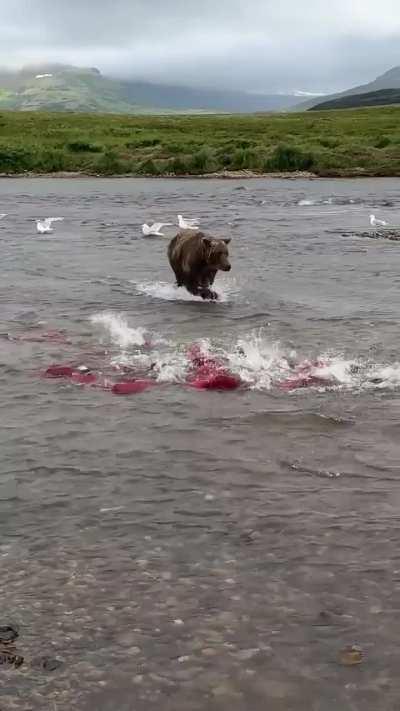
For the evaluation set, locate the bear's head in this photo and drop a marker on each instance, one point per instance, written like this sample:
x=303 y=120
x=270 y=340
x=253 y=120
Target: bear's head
x=216 y=253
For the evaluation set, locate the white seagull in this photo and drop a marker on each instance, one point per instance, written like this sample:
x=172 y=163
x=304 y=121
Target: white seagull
x=187 y=224
x=154 y=229
x=374 y=222
x=3 y=214
x=44 y=226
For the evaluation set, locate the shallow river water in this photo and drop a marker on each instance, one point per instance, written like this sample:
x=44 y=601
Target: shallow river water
x=195 y=550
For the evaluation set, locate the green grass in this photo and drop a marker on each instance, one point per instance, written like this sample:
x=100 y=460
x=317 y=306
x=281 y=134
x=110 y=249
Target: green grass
x=328 y=143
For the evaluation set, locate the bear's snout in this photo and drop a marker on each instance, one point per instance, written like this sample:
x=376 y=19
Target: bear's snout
x=226 y=268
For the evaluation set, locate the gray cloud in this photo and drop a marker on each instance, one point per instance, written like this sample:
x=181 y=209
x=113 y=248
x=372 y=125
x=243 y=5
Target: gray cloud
x=260 y=45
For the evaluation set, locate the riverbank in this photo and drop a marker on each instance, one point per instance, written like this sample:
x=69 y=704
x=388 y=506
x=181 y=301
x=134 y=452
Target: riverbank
x=358 y=143
x=224 y=175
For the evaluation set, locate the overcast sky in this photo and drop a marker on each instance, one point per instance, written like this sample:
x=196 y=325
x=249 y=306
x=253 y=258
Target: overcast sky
x=259 y=45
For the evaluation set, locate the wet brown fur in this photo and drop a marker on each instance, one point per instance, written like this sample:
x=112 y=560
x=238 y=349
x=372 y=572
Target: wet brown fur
x=195 y=258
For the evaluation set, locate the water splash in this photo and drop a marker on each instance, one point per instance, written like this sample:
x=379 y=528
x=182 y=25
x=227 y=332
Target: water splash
x=117 y=329
x=258 y=362
x=171 y=367
x=305 y=203
x=383 y=377
x=171 y=292
x=124 y=360
x=338 y=369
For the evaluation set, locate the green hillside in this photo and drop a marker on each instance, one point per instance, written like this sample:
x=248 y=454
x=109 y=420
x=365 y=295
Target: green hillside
x=59 y=87
x=327 y=143
x=63 y=88
x=384 y=97
x=388 y=80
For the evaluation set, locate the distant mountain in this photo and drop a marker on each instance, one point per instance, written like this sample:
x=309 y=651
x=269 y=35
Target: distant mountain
x=388 y=80
x=58 y=87
x=383 y=97
x=62 y=88
x=183 y=98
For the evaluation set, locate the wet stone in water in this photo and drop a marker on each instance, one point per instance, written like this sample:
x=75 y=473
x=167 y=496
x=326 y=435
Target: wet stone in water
x=8 y=633
x=246 y=654
x=8 y=651
x=351 y=655
x=9 y=656
x=209 y=652
x=250 y=536
x=324 y=619
x=46 y=663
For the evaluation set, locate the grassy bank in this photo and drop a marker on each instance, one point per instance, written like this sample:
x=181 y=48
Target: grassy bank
x=327 y=143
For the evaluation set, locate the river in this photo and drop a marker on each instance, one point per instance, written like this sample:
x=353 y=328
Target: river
x=184 y=549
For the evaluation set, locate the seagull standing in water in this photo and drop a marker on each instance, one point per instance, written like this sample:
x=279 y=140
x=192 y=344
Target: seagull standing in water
x=154 y=230
x=44 y=226
x=188 y=224
x=374 y=222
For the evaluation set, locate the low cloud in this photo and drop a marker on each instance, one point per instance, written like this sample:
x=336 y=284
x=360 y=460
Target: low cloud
x=256 y=45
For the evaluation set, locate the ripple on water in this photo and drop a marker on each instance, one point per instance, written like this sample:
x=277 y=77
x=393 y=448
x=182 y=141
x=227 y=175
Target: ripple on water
x=223 y=511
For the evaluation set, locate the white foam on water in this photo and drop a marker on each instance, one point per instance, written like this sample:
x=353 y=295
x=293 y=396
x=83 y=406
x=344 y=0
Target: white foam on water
x=383 y=377
x=336 y=369
x=111 y=509
x=357 y=374
x=171 y=367
x=165 y=362
x=264 y=364
x=117 y=328
x=165 y=291
x=305 y=203
x=174 y=366
x=124 y=359
x=341 y=373
x=165 y=367
x=171 y=292
x=258 y=362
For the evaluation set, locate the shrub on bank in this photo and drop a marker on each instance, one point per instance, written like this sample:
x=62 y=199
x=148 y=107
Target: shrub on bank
x=83 y=147
x=383 y=142
x=148 y=167
x=246 y=159
x=177 y=166
x=289 y=158
x=174 y=148
x=49 y=161
x=110 y=164
x=201 y=162
x=225 y=160
x=15 y=160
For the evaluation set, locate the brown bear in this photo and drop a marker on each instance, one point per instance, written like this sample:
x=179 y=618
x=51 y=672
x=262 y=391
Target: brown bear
x=195 y=259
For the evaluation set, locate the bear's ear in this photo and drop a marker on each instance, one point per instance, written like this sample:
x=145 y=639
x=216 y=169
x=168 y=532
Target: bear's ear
x=206 y=242
x=227 y=240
